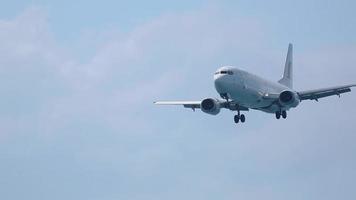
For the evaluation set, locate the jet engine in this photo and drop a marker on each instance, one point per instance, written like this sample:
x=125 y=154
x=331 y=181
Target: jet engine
x=210 y=106
x=289 y=99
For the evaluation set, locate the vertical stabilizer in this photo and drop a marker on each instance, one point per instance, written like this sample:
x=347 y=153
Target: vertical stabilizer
x=287 y=79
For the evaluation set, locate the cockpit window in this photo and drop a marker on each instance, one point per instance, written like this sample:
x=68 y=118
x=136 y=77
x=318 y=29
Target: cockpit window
x=229 y=72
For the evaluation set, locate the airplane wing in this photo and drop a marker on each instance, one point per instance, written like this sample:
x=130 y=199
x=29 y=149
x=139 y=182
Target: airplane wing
x=186 y=104
x=196 y=104
x=325 y=92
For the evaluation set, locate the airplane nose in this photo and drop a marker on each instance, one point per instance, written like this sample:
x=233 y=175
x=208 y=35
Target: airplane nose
x=217 y=78
x=218 y=81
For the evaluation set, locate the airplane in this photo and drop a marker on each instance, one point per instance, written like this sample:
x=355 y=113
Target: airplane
x=241 y=91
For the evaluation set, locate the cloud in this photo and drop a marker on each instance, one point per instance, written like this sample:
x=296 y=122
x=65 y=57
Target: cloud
x=131 y=69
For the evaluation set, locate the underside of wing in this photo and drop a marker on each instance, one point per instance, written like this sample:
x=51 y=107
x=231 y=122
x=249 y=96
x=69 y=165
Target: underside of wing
x=325 y=92
x=186 y=104
x=197 y=104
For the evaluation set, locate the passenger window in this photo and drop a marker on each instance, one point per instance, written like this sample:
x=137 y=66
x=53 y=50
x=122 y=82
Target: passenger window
x=223 y=72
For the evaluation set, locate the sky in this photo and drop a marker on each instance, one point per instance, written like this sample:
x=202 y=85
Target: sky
x=78 y=80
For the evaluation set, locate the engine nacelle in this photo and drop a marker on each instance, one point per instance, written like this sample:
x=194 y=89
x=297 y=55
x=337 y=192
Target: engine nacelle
x=210 y=106
x=289 y=99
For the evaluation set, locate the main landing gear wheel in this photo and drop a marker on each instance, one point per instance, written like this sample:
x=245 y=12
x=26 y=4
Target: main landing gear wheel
x=284 y=114
x=236 y=119
x=242 y=118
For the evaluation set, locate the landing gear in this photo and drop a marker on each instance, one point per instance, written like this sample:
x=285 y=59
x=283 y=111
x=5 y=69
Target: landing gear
x=236 y=119
x=242 y=118
x=225 y=96
x=281 y=113
x=284 y=114
x=239 y=117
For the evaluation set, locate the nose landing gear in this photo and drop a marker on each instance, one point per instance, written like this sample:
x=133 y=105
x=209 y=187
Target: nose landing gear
x=224 y=96
x=239 y=117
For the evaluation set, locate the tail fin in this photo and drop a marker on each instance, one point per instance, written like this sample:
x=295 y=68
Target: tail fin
x=287 y=79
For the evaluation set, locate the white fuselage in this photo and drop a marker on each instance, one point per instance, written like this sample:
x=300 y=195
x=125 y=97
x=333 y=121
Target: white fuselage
x=248 y=90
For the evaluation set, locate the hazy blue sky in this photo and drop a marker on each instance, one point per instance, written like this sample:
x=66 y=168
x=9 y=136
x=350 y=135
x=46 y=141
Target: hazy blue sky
x=77 y=82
